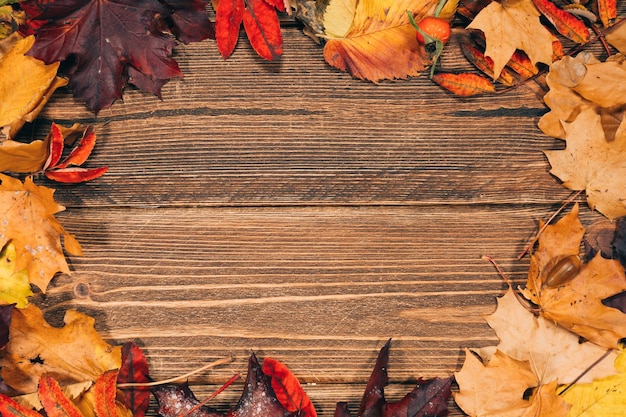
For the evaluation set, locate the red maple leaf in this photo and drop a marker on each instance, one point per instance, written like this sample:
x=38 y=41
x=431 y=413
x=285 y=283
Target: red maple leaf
x=106 y=44
x=259 y=20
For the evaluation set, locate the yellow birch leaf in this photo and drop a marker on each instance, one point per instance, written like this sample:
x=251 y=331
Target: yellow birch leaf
x=605 y=397
x=25 y=86
x=14 y=285
x=511 y=25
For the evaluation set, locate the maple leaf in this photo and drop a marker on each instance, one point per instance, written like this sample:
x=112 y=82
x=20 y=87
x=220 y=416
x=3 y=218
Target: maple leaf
x=376 y=41
x=29 y=222
x=583 y=82
x=427 y=399
x=14 y=286
x=73 y=353
x=260 y=22
x=604 y=397
x=577 y=304
x=113 y=41
x=592 y=163
x=497 y=388
x=23 y=97
x=554 y=353
x=511 y=25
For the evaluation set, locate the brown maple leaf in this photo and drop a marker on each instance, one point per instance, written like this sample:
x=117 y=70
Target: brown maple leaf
x=577 y=304
x=28 y=221
x=73 y=353
x=374 y=39
x=510 y=25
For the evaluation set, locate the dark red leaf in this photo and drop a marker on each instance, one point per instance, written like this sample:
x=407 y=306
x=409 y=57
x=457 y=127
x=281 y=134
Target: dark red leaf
x=188 y=20
x=54 y=401
x=288 y=389
x=6 y=311
x=56 y=147
x=11 y=408
x=263 y=29
x=428 y=399
x=228 y=18
x=105 y=390
x=619 y=243
x=102 y=38
x=75 y=175
x=617 y=301
x=134 y=369
x=177 y=400
x=565 y=23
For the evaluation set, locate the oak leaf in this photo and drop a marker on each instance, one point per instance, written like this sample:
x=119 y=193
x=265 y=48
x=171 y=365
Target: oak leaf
x=28 y=221
x=113 y=42
x=496 y=389
x=554 y=353
x=592 y=163
x=23 y=96
x=14 y=286
x=377 y=40
x=577 y=304
x=72 y=353
x=604 y=397
x=511 y=25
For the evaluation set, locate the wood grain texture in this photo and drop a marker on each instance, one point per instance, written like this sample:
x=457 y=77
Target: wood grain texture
x=291 y=210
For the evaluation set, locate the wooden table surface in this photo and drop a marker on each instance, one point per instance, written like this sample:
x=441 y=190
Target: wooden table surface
x=288 y=209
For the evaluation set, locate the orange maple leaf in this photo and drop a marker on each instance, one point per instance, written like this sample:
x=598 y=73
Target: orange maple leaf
x=379 y=42
x=28 y=221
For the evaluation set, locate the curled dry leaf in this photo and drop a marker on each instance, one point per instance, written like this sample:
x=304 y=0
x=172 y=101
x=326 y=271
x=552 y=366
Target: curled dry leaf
x=465 y=84
x=28 y=212
x=72 y=353
x=511 y=25
x=23 y=96
x=565 y=23
x=577 y=304
x=617 y=37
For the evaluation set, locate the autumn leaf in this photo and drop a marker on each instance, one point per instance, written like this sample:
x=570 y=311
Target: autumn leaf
x=617 y=38
x=29 y=222
x=427 y=399
x=54 y=401
x=583 y=82
x=11 y=408
x=14 y=285
x=498 y=387
x=176 y=400
x=114 y=42
x=511 y=25
x=6 y=312
x=604 y=397
x=577 y=304
x=565 y=23
x=23 y=97
x=376 y=41
x=134 y=369
x=21 y=157
x=592 y=163
x=101 y=398
x=466 y=84
x=553 y=353
x=288 y=389
x=72 y=353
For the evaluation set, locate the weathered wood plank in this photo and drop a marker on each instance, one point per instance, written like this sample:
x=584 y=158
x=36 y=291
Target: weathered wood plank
x=296 y=132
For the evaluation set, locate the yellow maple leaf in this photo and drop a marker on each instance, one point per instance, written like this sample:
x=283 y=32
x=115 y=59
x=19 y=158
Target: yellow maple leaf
x=28 y=221
x=511 y=25
x=14 y=286
x=577 y=304
x=70 y=354
x=25 y=86
x=592 y=163
x=375 y=41
x=605 y=397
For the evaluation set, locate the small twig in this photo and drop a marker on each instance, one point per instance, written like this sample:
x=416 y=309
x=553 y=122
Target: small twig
x=600 y=359
x=215 y=394
x=213 y=364
x=534 y=239
x=527 y=304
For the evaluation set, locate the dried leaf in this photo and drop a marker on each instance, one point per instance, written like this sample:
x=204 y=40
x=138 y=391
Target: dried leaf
x=577 y=304
x=465 y=84
x=24 y=97
x=14 y=285
x=589 y=162
x=177 y=400
x=54 y=401
x=607 y=11
x=565 y=23
x=288 y=389
x=617 y=37
x=29 y=221
x=73 y=353
x=485 y=64
x=263 y=29
x=11 y=408
x=134 y=369
x=22 y=157
x=380 y=43
x=228 y=19
x=6 y=312
x=105 y=390
x=511 y=25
